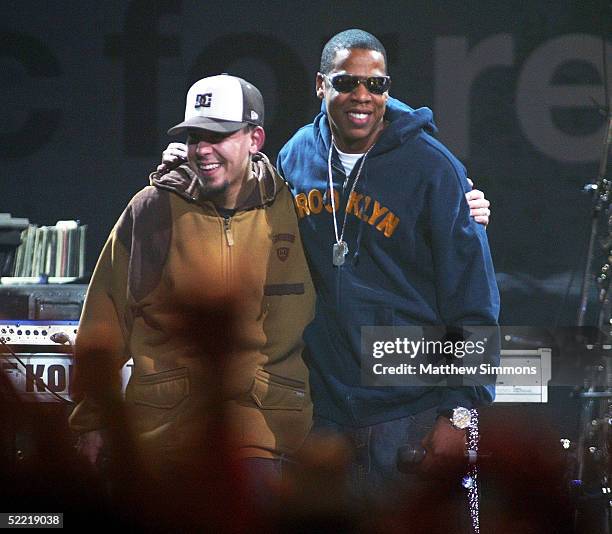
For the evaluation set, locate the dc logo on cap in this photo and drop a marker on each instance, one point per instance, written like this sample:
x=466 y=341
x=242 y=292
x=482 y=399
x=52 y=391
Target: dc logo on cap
x=203 y=101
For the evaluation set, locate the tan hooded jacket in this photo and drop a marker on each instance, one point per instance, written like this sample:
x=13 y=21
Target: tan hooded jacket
x=170 y=246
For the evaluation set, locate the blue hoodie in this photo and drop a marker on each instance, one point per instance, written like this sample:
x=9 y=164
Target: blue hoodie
x=415 y=258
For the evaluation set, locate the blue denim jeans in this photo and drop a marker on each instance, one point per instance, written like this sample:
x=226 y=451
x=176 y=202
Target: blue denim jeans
x=374 y=472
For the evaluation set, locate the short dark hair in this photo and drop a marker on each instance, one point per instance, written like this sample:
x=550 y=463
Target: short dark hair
x=349 y=39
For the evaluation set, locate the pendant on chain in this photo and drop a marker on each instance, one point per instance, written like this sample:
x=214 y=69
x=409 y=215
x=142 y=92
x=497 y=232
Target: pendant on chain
x=339 y=251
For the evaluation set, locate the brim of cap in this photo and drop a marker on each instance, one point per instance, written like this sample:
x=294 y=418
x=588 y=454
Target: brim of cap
x=207 y=124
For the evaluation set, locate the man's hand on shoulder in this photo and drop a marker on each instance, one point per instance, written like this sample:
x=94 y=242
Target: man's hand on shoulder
x=173 y=156
x=445 y=450
x=479 y=205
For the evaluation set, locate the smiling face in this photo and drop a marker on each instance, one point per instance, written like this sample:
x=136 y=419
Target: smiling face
x=222 y=161
x=356 y=118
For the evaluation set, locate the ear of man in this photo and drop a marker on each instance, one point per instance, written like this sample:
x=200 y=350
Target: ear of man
x=320 y=86
x=258 y=138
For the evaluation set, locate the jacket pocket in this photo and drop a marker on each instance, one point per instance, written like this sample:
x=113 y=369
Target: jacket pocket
x=160 y=390
x=277 y=290
x=274 y=392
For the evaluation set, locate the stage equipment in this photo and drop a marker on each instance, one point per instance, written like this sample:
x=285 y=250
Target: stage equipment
x=589 y=462
x=601 y=190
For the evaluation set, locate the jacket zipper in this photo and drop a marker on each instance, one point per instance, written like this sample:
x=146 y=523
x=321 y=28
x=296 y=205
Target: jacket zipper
x=229 y=238
x=228 y=231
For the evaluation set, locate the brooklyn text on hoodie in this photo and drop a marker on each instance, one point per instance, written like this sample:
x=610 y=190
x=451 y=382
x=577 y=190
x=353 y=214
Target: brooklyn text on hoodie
x=359 y=205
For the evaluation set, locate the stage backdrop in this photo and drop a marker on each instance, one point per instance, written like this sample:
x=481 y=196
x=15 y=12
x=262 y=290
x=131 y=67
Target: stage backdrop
x=89 y=89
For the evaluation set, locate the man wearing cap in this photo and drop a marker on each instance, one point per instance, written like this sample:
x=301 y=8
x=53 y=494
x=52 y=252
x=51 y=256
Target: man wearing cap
x=219 y=228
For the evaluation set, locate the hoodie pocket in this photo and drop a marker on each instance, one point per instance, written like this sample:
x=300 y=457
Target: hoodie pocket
x=163 y=390
x=274 y=392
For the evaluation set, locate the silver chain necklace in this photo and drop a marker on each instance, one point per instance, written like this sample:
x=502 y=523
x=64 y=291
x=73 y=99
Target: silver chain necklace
x=340 y=247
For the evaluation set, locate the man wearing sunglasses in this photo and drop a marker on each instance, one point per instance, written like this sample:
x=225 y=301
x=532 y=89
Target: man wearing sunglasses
x=389 y=240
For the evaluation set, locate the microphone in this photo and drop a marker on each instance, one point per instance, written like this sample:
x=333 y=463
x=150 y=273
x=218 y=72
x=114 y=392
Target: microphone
x=408 y=458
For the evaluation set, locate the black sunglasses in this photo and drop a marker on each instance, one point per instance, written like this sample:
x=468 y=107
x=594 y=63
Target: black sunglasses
x=345 y=83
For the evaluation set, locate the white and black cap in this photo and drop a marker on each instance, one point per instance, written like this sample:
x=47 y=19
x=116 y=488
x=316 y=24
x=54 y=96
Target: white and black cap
x=221 y=103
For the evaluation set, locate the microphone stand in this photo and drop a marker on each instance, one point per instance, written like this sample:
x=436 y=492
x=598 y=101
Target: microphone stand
x=602 y=190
